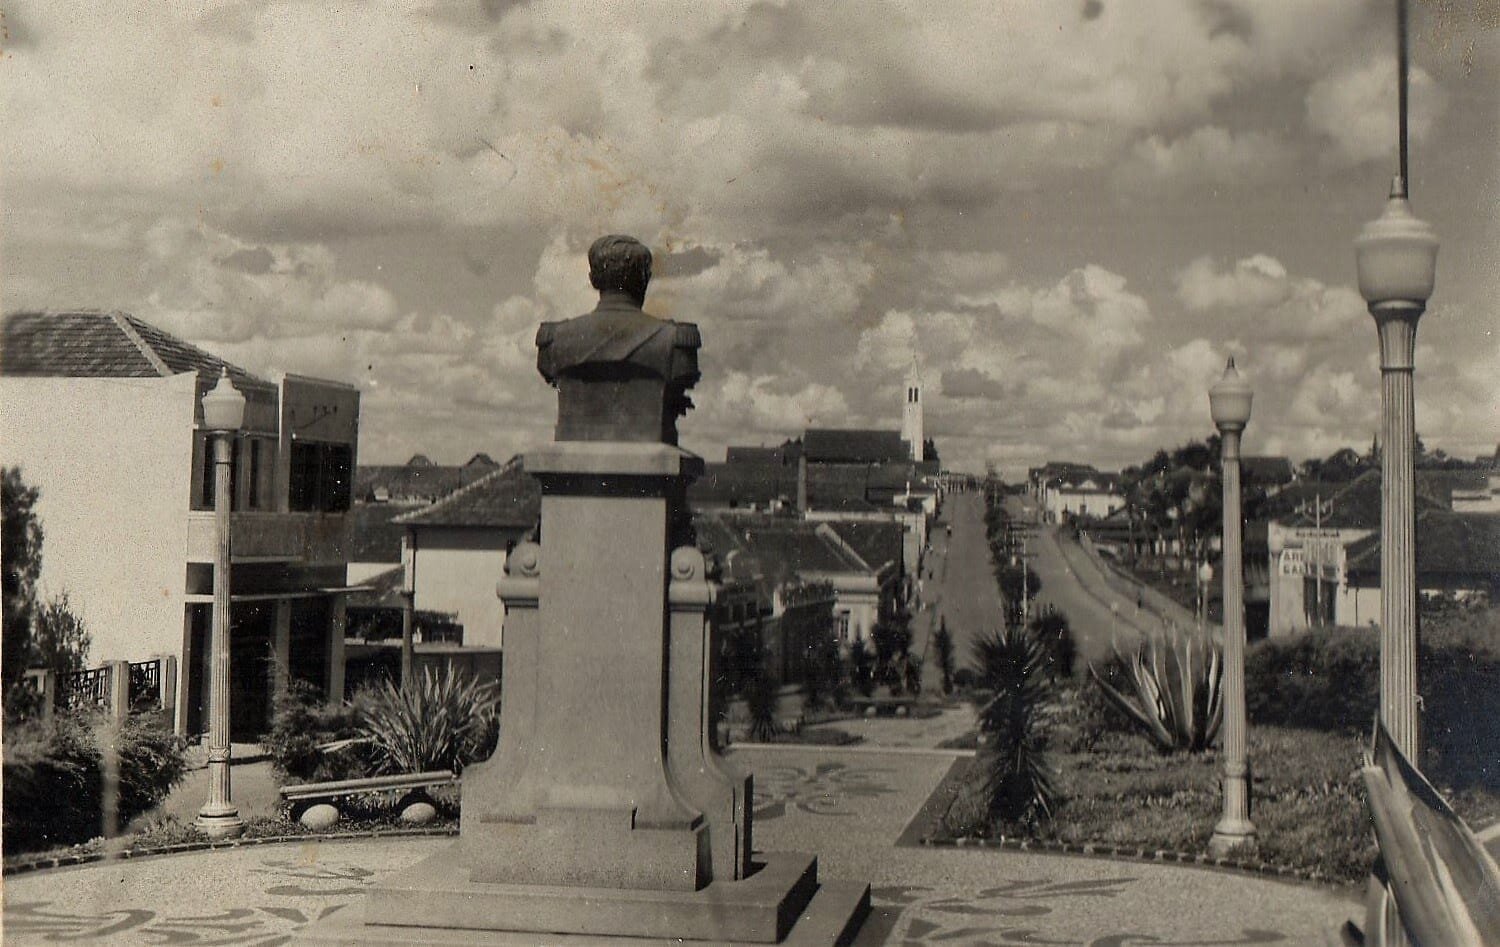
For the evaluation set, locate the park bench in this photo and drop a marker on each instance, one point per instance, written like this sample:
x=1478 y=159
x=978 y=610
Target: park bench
x=317 y=805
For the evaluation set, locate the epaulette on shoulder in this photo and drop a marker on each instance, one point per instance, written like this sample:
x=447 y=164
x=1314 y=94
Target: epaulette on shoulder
x=687 y=335
x=544 y=334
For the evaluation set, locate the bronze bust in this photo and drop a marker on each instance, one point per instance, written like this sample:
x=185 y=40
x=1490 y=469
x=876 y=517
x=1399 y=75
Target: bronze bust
x=621 y=374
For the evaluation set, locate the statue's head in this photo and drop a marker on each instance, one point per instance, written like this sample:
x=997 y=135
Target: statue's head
x=620 y=263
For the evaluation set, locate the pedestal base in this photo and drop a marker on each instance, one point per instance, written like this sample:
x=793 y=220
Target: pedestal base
x=1231 y=836
x=434 y=902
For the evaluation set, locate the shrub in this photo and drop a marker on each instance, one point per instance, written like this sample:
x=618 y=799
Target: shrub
x=302 y=722
x=760 y=699
x=1329 y=680
x=823 y=679
x=861 y=669
x=54 y=779
x=1056 y=635
x=1018 y=780
x=1173 y=693
x=443 y=721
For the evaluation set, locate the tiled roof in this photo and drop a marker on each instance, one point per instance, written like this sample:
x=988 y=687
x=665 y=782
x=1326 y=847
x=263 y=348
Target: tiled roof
x=854 y=446
x=375 y=535
x=93 y=344
x=743 y=485
x=842 y=487
x=507 y=498
x=1357 y=505
x=770 y=456
x=1448 y=544
x=772 y=549
x=415 y=482
x=876 y=543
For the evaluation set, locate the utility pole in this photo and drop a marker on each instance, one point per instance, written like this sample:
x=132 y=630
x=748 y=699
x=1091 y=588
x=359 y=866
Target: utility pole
x=1318 y=509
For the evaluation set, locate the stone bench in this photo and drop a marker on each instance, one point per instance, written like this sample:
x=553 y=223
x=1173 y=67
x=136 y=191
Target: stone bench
x=316 y=805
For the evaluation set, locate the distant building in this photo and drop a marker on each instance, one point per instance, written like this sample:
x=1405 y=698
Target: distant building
x=455 y=548
x=1458 y=559
x=1065 y=489
x=1307 y=550
x=419 y=480
x=102 y=412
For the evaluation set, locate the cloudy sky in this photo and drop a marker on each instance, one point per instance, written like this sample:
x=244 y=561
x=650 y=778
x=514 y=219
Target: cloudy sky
x=1071 y=210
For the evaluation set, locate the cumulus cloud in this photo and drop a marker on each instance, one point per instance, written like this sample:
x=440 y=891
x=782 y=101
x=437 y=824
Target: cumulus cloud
x=1355 y=109
x=1209 y=153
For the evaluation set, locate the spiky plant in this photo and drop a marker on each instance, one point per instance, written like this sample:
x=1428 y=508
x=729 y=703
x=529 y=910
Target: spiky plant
x=443 y=721
x=1174 y=689
x=1444 y=884
x=1011 y=665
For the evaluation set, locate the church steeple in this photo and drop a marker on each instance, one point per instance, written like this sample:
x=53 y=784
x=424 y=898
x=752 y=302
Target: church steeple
x=911 y=410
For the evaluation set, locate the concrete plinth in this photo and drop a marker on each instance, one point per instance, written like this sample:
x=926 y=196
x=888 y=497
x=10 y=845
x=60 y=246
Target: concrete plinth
x=607 y=809
x=780 y=902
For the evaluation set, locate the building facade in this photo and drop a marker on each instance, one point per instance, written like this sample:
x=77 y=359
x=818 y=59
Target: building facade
x=102 y=412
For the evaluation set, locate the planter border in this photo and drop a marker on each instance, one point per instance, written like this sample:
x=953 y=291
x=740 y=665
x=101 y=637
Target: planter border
x=22 y=865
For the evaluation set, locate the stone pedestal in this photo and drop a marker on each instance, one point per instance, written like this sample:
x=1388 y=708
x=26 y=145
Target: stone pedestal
x=606 y=809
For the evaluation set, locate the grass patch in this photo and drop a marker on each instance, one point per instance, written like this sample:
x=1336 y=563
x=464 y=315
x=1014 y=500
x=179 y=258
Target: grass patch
x=1307 y=801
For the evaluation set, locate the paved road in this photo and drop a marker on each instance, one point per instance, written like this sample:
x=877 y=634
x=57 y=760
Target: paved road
x=848 y=807
x=1071 y=583
x=962 y=591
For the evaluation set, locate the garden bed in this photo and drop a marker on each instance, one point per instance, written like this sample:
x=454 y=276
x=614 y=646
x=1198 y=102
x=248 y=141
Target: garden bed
x=1307 y=801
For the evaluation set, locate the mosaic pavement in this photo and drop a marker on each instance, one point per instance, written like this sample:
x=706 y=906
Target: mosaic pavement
x=848 y=807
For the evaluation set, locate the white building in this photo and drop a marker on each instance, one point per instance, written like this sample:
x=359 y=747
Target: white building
x=102 y=413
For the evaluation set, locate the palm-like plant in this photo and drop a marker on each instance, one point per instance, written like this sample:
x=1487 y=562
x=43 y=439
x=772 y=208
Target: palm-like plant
x=1174 y=683
x=443 y=721
x=1011 y=665
x=1445 y=886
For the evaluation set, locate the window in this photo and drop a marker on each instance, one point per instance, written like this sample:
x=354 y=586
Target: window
x=841 y=624
x=321 y=477
x=204 y=452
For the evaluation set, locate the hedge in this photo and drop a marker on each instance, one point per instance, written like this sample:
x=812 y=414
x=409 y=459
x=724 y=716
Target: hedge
x=53 y=778
x=1330 y=680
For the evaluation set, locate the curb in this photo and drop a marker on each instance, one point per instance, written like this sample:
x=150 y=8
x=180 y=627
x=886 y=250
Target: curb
x=180 y=848
x=1104 y=851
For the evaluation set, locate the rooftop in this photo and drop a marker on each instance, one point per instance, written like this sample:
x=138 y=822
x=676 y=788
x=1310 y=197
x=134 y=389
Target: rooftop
x=1448 y=544
x=95 y=344
x=854 y=446
x=505 y=498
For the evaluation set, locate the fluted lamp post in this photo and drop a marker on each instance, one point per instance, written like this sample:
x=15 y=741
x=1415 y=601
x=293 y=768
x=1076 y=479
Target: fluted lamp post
x=1396 y=255
x=1229 y=404
x=223 y=416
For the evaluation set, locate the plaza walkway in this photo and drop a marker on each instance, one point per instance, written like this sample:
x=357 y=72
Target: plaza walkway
x=851 y=807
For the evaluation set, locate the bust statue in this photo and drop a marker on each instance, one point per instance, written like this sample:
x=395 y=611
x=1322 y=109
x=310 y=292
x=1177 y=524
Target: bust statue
x=621 y=374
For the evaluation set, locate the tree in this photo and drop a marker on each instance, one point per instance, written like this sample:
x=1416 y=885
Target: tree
x=929 y=450
x=60 y=641
x=943 y=643
x=21 y=552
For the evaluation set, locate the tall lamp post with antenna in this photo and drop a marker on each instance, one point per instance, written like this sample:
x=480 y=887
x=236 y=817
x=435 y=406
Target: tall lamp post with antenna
x=1396 y=256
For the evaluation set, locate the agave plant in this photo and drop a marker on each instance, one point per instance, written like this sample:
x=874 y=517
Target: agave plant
x=1441 y=886
x=443 y=721
x=1175 y=697
x=1011 y=665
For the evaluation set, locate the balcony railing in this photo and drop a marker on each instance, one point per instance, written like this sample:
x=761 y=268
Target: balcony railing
x=292 y=537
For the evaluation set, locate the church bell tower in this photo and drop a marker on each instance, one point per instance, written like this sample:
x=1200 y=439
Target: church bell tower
x=911 y=410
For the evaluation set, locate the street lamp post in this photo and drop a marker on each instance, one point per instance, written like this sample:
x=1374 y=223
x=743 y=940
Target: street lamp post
x=1396 y=256
x=1229 y=403
x=223 y=415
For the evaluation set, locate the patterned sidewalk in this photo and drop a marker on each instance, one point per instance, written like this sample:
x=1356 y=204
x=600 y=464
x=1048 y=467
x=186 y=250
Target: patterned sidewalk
x=851 y=808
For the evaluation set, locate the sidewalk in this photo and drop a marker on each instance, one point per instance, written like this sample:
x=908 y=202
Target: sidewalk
x=849 y=807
